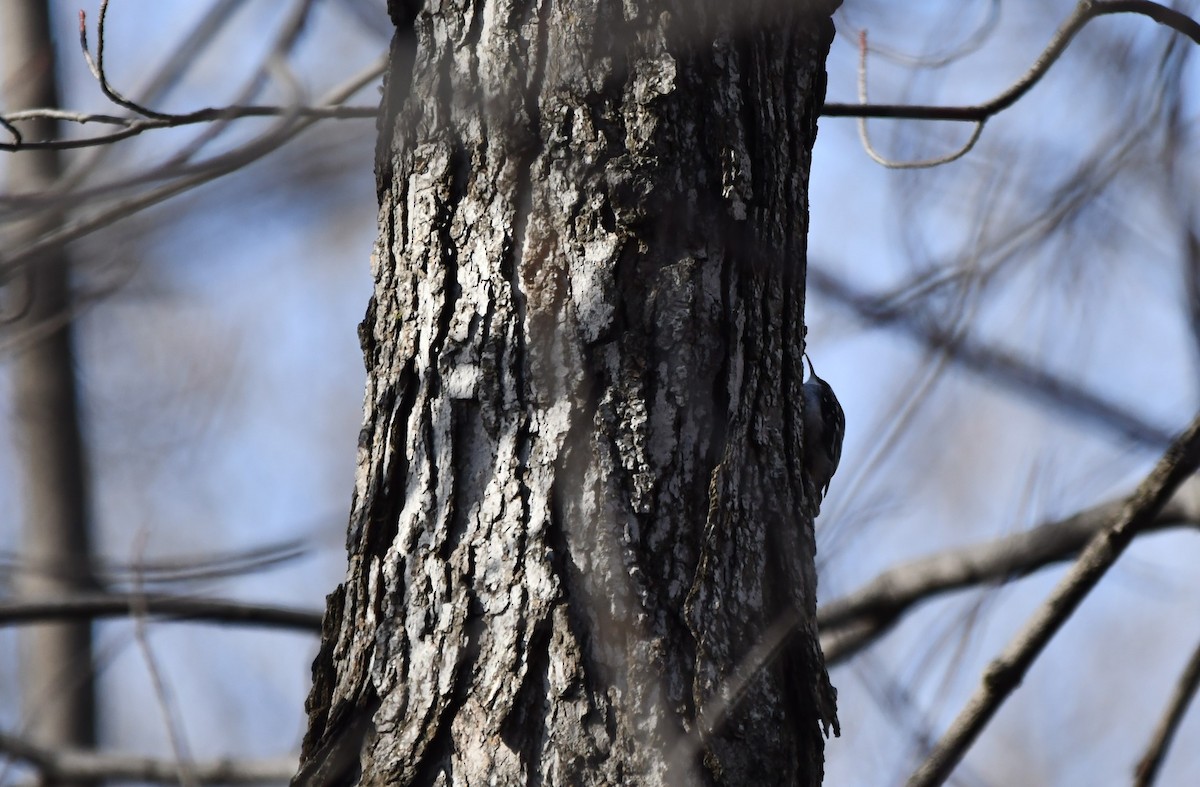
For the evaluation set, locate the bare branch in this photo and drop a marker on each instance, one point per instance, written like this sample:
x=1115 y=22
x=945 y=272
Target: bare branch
x=1006 y=673
x=1004 y=367
x=120 y=605
x=852 y=622
x=131 y=127
x=1085 y=11
x=1147 y=769
x=209 y=170
x=77 y=765
x=184 y=55
x=149 y=119
x=97 y=67
x=1176 y=20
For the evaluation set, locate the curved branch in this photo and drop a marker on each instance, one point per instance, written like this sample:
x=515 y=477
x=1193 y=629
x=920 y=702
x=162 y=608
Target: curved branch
x=97 y=66
x=12 y=130
x=882 y=160
x=1085 y=11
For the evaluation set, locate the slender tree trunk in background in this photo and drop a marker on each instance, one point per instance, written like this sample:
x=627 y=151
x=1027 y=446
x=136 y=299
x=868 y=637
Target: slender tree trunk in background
x=56 y=658
x=581 y=550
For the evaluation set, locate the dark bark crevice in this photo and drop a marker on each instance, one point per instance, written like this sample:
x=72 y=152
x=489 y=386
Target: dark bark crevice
x=435 y=762
x=524 y=727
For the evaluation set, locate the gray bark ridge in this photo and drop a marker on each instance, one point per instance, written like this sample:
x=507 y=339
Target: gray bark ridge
x=581 y=549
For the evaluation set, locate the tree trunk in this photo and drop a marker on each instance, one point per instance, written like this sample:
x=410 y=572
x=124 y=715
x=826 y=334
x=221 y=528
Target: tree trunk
x=57 y=685
x=581 y=549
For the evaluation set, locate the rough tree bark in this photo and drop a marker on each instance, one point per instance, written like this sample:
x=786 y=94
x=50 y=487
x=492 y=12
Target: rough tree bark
x=581 y=549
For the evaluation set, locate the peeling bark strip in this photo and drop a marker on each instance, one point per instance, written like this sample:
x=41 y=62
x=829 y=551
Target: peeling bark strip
x=581 y=551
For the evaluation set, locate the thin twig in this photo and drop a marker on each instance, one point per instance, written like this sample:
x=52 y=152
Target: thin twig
x=134 y=126
x=217 y=566
x=131 y=127
x=866 y=138
x=184 y=54
x=148 y=119
x=166 y=703
x=1189 y=682
x=97 y=67
x=203 y=173
x=1004 y=674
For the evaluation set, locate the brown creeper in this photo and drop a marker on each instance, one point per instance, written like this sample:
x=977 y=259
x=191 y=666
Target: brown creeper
x=824 y=427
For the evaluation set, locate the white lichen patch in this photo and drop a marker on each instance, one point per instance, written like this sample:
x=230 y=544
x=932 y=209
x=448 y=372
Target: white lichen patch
x=592 y=286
